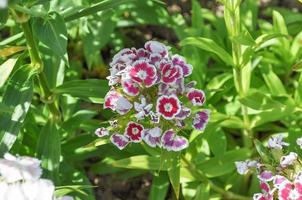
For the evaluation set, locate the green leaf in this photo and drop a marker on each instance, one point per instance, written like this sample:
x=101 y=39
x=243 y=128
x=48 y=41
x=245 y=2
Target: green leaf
x=76 y=120
x=49 y=150
x=5 y=70
x=264 y=153
x=91 y=89
x=5 y=109
x=219 y=166
x=217 y=141
x=3 y=16
x=17 y=96
x=142 y=162
x=101 y=6
x=272 y=81
x=210 y=46
x=244 y=39
x=52 y=32
x=159 y=188
x=203 y=192
x=174 y=172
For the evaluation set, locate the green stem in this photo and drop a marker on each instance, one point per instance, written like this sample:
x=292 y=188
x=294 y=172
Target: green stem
x=37 y=64
x=232 y=18
x=200 y=176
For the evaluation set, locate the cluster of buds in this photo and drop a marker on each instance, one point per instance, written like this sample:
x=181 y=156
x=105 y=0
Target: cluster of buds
x=20 y=179
x=281 y=177
x=152 y=97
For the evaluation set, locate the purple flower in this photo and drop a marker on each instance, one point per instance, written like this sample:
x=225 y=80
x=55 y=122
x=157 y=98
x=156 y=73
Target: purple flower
x=201 y=119
x=152 y=136
x=101 y=132
x=120 y=141
x=172 y=142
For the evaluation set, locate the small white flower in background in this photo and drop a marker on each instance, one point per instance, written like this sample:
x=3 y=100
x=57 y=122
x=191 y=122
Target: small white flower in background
x=299 y=142
x=276 y=142
x=289 y=159
x=20 y=180
x=3 y=4
x=14 y=169
x=243 y=167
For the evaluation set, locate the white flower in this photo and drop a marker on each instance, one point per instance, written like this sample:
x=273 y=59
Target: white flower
x=276 y=142
x=299 y=142
x=288 y=160
x=142 y=108
x=3 y=4
x=243 y=167
x=41 y=189
x=14 y=168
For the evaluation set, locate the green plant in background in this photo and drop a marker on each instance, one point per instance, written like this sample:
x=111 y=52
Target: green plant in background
x=52 y=82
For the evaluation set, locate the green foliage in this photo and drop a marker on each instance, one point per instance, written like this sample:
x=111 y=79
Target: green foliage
x=54 y=58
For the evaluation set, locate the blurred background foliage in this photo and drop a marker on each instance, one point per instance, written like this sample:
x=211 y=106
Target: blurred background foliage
x=53 y=114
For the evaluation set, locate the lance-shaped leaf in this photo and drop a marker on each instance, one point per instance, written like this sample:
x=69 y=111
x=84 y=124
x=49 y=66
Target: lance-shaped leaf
x=52 y=32
x=209 y=45
x=17 y=96
x=90 y=89
x=49 y=150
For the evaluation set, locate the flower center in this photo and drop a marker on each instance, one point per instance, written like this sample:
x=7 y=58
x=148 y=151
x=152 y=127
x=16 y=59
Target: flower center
x=294 y=194
x=142 y=74
x=135 y=131
x=168 y=107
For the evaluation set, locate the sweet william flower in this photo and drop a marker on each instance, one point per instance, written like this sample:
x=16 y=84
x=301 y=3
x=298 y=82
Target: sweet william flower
x=149 y=92
x=101 y=132
x=168 y=106
x=134 y=131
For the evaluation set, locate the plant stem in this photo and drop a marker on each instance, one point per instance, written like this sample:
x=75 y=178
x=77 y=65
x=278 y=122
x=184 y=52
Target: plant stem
x=241 y=75
x=37 y=64
x=200 y=176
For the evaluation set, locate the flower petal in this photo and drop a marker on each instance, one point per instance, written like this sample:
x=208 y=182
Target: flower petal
x=120 y=141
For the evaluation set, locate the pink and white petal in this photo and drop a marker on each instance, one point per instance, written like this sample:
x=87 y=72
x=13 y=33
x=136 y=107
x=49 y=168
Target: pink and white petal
x=156 y=47
x=120 y=141
x=180 y=61
x=279 y=181
x=111 y=99
x=171 y=73
x=123 y=105
x=130 y=88
x=201 y=119
x=184 y=113
x=197 y=97
x=152 y=136
x=101 y=132
x=265 y=187
x=171 y=142
x=266 y=176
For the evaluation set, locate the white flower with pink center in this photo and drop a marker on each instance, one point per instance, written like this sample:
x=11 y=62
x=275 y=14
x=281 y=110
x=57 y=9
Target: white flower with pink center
x=134 y=131
x=289 y=190
x=197 y=97
x=168 y=106
x=144 y=73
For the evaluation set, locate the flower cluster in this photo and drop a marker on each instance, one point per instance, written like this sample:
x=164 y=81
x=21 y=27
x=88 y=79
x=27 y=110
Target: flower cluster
x=150 y=93
x=281 y=177
x=20 y=178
